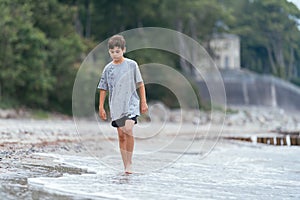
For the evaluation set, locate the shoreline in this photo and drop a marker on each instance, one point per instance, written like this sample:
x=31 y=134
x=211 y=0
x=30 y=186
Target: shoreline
x=24 y=139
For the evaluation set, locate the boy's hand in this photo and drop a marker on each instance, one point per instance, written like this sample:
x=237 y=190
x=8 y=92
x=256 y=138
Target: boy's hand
x=144 y=107
x=102 y=114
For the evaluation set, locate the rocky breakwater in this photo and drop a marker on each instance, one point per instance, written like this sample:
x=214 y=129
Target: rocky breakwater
x=254 y=124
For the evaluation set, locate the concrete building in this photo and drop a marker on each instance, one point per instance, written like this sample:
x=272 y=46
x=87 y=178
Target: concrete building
x=226 y=51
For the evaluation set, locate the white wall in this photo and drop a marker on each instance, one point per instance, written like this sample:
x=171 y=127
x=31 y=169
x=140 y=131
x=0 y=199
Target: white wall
x=227 y=51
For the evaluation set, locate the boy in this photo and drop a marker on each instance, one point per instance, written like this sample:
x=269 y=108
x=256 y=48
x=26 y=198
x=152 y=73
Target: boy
x=121 y=78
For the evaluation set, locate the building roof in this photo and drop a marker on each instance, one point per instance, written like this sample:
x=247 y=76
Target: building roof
x=225 y=35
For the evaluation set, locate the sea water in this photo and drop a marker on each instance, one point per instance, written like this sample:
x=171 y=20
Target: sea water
x=231 y=171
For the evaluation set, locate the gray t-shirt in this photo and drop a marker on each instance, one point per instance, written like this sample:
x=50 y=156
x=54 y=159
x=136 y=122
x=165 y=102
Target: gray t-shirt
x=121 y=82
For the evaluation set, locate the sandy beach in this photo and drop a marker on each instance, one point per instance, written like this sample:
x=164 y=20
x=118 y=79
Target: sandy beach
x=56 y=159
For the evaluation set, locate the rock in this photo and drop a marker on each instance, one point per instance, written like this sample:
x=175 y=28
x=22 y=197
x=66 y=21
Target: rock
x=6 y=114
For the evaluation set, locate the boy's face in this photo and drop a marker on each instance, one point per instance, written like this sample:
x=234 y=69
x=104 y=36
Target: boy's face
x=116 y=53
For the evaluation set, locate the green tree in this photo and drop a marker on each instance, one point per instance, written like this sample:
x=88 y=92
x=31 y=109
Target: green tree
x=269 y=34
x=24 y=75
x=65 y=49
x=198 y=19
x=99 y=19
x=40 y=53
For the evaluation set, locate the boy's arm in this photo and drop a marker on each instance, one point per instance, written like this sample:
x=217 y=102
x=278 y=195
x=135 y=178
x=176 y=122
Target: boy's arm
x=142 y=91
x=102 y=112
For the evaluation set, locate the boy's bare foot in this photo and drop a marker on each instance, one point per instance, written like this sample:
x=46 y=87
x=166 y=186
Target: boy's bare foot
x=128 y=170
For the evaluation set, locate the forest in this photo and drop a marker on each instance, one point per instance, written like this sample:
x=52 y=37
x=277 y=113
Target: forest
x=43 y=43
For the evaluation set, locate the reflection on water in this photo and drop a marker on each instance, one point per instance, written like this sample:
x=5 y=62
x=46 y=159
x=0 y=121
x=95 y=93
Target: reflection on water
x=239 y=171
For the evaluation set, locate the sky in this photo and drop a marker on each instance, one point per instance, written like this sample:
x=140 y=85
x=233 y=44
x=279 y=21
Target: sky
x=296 y=2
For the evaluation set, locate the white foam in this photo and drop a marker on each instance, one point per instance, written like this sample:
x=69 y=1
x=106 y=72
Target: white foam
x=90 y=164
x=235 y=171
x=73 y=185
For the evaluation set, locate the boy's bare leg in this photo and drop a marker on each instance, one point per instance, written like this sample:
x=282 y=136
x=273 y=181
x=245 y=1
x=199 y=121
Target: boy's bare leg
x=130 y=144
x=129 y=140
x=122 y=145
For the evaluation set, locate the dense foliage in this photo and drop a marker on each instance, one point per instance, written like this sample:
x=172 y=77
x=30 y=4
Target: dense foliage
x=42 y=43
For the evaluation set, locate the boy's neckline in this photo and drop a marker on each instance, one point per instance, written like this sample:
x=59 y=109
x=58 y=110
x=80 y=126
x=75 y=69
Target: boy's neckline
x=120 y=62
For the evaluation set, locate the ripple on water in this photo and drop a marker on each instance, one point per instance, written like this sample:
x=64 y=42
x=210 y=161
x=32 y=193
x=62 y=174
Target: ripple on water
x=237 y=172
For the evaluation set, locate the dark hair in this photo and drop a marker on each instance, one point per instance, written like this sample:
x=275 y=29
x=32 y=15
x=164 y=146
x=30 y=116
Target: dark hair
x=116 y=41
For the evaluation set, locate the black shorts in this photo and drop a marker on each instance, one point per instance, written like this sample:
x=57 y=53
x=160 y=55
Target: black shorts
x=121 y=122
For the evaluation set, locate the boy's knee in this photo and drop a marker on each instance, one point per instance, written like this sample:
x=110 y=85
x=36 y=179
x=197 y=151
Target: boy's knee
x=122 y=137
x=127 y=130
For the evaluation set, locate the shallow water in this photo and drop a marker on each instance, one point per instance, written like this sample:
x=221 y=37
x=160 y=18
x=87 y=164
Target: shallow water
x=232 y=171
